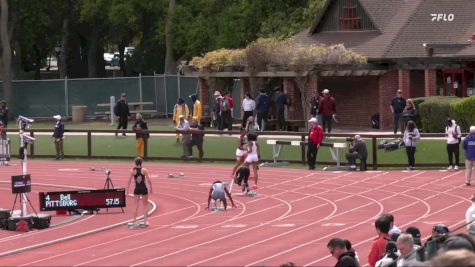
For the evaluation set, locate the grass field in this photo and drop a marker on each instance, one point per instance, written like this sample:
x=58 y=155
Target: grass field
x=428 y=151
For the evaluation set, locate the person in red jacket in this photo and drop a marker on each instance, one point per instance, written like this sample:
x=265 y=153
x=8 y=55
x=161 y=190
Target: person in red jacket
x=378 y=248
x=315 y=137
x=327 y=109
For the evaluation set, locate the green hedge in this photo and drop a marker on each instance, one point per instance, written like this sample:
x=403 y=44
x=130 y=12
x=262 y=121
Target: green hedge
x=434 y=111
x=464 y=110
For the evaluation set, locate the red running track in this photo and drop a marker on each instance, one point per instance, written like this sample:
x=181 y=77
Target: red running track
x=294 y=215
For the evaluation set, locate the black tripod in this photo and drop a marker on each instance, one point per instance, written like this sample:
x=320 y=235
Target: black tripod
x=109 y=185
x=21 y=203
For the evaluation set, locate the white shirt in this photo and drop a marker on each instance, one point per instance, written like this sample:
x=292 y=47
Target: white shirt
x=470 y=214
x=183 y=126
x=248 y=104
x=453 y=133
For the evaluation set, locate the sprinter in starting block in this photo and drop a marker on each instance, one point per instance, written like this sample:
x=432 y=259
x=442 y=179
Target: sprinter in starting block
x=217 y=193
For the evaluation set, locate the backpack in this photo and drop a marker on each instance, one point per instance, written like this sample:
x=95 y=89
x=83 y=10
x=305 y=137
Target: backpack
x=225 y=106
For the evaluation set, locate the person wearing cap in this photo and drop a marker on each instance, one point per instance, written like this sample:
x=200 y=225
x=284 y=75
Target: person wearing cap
x=315 y=138
x=216 y=121
x=327 y=109
x=184 y=127
x=141 y=133
x=469 y=148
x=359 y=151
x=470 y=217
x=438 y=236
x=180 y=109
x=58 y=134
x=262 y=109
x=121 y=110
x=398 y=103
x=196 y=111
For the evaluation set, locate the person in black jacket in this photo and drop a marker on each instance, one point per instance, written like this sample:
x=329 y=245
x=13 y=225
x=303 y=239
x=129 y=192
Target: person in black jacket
x=121 y=110
x=4 y=113
x=58 y=137
x=358 y=151
x=338 y=250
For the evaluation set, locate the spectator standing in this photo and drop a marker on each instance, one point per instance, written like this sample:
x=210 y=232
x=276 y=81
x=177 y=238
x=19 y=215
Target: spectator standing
x=121 y=110
x=391 y=255
x=227 y=106
x=327 y=109
x=315 y=137
x=58 y=135
x=314 y=103
x=216 y=120
x=262 y=109
x=197 y=110
x=141 y=134
x=338 y=250
x=416 y=234
x=248 y=106
x=438 y=236
x=197 y=137
x=398 y=103
x=281 y=101
x=469 y=147
x=251 y=125
x=411 y=135
x=180 y=109
x=4 y=113
x=409 y=113
x=378 y=247
x=184 y=126
x=454 y=135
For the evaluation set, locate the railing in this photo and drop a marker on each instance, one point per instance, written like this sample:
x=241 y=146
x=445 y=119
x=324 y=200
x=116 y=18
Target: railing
x=373 y=152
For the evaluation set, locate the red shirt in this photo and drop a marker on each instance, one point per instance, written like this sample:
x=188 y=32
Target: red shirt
x=327 y=106
x=230 y=100
x=316 y=134
x=378 y=249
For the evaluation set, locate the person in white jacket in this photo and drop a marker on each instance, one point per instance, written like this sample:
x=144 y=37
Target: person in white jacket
x=411 y=135
x=454 y=135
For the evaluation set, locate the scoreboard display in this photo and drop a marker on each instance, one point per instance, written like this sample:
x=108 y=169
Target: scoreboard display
x=83 y=199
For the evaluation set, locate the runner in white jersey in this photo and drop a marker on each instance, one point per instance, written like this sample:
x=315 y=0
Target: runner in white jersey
x=253 y=155
x=217 y=193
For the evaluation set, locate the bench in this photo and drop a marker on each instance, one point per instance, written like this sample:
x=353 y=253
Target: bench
x=136 y=109
x=278 y=144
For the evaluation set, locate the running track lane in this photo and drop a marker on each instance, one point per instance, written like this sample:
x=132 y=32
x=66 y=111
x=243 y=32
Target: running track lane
x=321 y=196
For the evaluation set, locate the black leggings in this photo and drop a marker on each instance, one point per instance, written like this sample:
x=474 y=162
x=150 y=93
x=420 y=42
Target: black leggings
x=411 y=151
x=451 y=150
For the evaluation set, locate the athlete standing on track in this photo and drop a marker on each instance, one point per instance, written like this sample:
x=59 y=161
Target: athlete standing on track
x=140 y=176
x=216 y=192
x=252 y=154
x=241 y=150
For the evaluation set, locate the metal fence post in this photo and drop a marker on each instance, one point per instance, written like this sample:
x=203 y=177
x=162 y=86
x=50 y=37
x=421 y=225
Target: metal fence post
x=166 y=99
x=155 y=90
x=140 y=91
x=66 y=100
x=179 y=85
x=375 y=153
x=112 y=105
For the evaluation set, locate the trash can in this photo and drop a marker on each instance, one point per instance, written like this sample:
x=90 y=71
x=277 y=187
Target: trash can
x=79 y=113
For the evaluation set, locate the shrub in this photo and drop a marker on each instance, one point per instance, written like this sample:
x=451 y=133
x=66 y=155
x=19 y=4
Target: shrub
x=434 y=111
x=464 y=110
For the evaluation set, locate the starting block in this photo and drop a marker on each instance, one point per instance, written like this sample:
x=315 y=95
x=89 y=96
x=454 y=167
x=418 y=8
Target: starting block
x=251 y=194
x=132 y=225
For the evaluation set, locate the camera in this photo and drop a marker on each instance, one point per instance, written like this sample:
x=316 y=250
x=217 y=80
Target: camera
x=350 y=139
x=28 y=139
x=108 y=172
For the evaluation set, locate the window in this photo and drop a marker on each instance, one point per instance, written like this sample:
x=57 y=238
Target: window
x=349 y=19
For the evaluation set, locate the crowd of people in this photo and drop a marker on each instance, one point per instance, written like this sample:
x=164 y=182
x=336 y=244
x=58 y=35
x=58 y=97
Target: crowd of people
x=394 y=247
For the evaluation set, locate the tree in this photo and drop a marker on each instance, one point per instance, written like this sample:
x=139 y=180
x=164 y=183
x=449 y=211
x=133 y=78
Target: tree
x=169 y=59
x=6 y=54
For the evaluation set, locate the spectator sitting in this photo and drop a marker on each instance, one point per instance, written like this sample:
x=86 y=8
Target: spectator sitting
x=358 y=151
x=405 y=244
x=338 y=250
x=416 y=234
x=461 y=258
x=391 y=255
x=378 y=247
x=197 y=135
